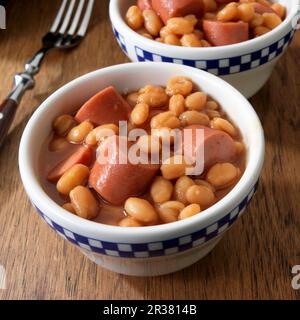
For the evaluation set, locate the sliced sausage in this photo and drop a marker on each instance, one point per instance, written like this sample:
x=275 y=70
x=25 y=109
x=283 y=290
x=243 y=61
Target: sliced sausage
x=260 y=8
x=218 y=146
x=177 y=8
x=107 y=106
x=144 y=4
x=225 y=33
x=226 y=1
x=114 y=181
x=82 y=155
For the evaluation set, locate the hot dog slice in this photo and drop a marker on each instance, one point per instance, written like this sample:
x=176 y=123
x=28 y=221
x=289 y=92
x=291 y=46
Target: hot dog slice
x=218 y=146
x=260 y=8
x=107 y=106
x=226 y=1
x=225 y=33
x=114 y=181
x=167 y=9
x=144 y=4
x=83 y=155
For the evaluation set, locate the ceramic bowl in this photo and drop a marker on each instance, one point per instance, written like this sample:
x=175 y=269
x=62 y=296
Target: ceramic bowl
x=153 y=250
x=247 y=66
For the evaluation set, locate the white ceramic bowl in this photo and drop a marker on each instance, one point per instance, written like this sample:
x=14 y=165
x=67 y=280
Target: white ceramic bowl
x=149 y=250
x=247 y=66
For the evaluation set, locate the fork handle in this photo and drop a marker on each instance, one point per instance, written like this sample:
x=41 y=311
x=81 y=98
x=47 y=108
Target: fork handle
x=7 y=112
x=23 y=81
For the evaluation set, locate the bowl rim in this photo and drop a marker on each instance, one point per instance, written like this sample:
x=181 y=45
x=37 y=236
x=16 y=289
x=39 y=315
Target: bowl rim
x=246 y=46
x=97 y=230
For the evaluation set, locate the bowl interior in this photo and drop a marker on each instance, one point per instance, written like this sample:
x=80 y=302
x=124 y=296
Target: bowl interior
x=128 y=77
x=118 y=9
x=123 y=5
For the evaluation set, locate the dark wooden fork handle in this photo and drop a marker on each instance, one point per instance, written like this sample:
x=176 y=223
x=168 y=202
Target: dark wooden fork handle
x=7 y=112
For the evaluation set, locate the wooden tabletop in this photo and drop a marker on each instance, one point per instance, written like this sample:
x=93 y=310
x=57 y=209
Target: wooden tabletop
x=253 y=261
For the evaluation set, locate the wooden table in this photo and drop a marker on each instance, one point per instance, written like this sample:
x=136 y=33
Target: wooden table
x=254 y=260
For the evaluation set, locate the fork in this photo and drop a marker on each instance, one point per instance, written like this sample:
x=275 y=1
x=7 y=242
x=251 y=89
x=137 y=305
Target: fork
x=68 y=29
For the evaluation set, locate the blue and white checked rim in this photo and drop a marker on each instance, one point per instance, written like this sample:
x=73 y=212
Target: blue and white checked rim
x=219 y=67
x=154 y=249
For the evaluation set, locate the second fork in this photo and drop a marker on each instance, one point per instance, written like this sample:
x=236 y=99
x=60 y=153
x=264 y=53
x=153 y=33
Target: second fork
x=68 y=29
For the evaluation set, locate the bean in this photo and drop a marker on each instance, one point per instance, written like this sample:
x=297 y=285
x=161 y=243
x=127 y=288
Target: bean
x=177 y=104
x=145 y=34
x=140 y=210
x=213 y=114
x=100 y=133
x=152 y=22
x=140 y=113
x=167 y=215
x=190 y=40
x=164 y=31
x=134 y=17
x=205 y=43
x=196 y=101
x=179 y=85
x=149 y=144
x=69 y=207
x=78 y=133
x=129 y=222
x=240 y=147
x=210 y=5
x=132 y=98
x=165 y=119
x=180 y=26
x=222 y=175
x=173 y=167
x=180 y=188
x=57 y=144
x=228 y=13
x=271 y=20
x=204 y=183
x=279 y=9
x=63 y=124
x=199 y=34
x=264 y=2
x=154 y=97
x=189 y=211
x=201 y=195
x=161 y=190
x=84 y=203
x=212 y=105
x=174 y=205
x=209 y=16
x=172 y=39
x=224 y=125
x=257 y=20
x=75 y=176
x=192 y=18
x=260 y=30
x=165 y=135
x=188 y=118
x=245 y=12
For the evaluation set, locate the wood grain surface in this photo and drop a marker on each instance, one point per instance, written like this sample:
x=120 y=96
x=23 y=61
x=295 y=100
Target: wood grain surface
x=253 y=261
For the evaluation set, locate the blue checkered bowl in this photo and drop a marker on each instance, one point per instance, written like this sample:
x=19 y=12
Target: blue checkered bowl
x=247 y=66
x=148 y=250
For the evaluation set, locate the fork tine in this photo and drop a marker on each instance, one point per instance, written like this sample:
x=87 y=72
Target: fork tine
x=58 y=16
x=86 y=19
x=76 y=18
x=67 y=18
